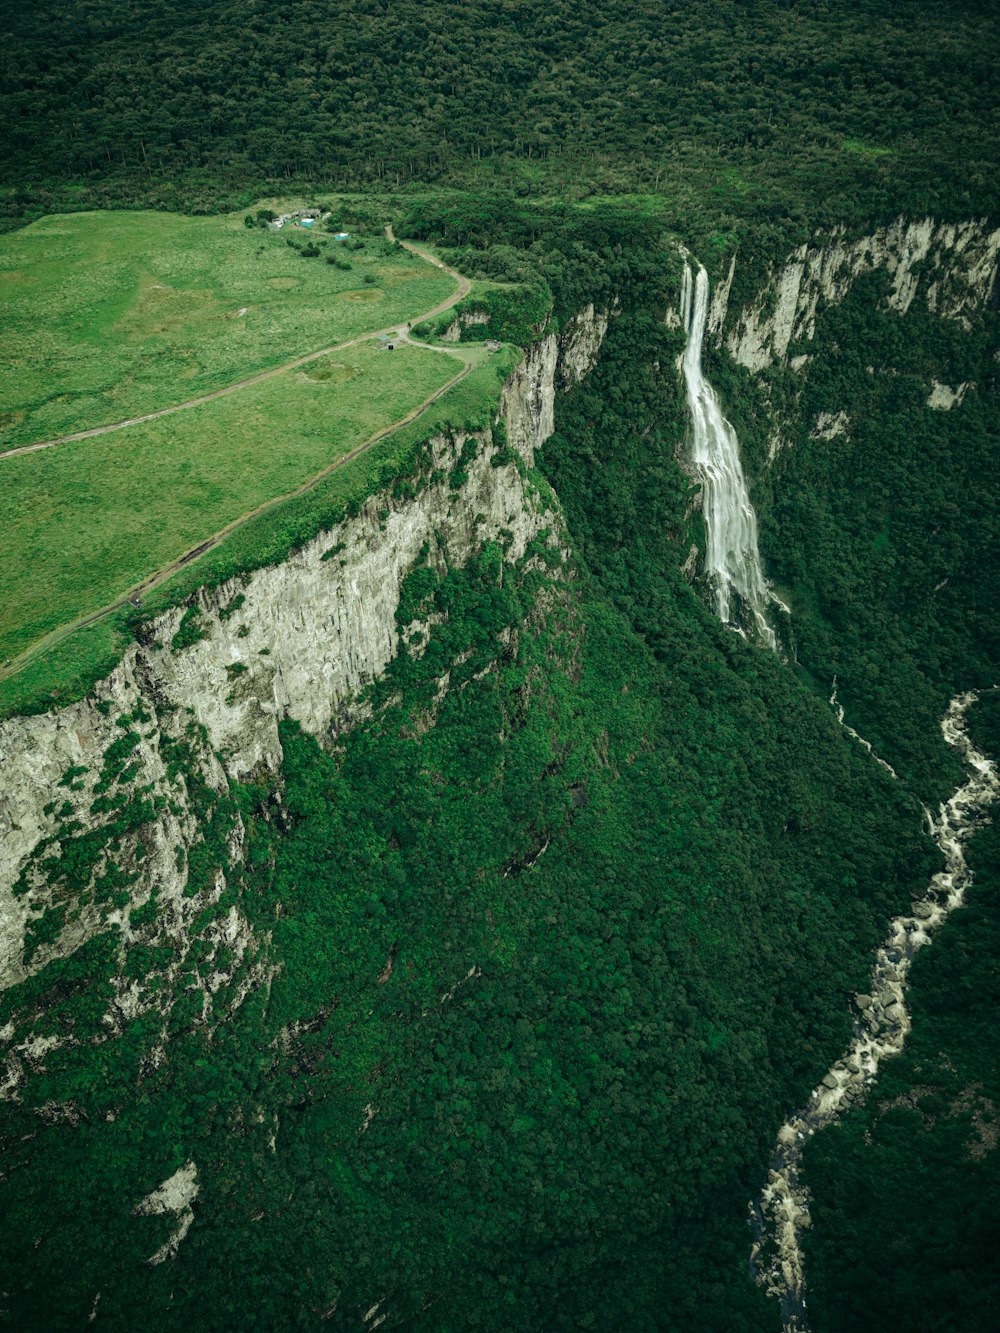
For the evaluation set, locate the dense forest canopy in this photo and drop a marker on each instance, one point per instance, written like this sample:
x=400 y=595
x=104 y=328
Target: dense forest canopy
x=778 y=106
x=558 y=936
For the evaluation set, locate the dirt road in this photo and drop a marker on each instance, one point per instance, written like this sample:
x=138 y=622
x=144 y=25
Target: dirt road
x=152 y=581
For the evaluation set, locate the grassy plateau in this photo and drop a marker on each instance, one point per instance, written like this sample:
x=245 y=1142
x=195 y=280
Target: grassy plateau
x=111 y=315
x=83 y=522
x=115 y=316
x=67 y=668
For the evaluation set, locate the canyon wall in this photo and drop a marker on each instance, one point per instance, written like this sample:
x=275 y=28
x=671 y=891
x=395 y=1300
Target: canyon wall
x=104 y=804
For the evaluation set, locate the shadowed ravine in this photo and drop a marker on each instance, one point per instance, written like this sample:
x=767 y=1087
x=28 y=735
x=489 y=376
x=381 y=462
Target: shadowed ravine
x=781 y=1214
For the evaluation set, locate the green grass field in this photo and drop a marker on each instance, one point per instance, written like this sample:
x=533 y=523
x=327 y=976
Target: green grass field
x=68 y=669
x=82 y=523
x=111 y=315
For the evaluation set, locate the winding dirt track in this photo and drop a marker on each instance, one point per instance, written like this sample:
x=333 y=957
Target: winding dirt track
x=152 y=581
x=462 y=291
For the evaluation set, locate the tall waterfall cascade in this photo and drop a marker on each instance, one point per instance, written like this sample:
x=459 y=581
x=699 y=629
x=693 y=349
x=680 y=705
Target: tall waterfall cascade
x=881 y=1023
x=732 y=559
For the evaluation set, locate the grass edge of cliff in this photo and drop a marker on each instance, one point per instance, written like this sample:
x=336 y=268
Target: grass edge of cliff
x=68 y=671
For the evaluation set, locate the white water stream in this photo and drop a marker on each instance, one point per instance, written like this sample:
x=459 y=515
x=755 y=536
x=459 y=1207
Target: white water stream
x=838 y=708
x=732 y=559
x=781 y=1214
x=881 y=1024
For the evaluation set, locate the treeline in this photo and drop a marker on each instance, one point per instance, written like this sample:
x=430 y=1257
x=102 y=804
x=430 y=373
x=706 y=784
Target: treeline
x=780 y=107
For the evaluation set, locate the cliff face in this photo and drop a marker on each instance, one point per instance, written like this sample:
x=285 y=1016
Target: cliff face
x=104 y=804
x=951 y=267
x=947 y=270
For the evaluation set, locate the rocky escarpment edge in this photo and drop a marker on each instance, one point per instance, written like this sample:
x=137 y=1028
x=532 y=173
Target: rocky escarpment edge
x=298 y=640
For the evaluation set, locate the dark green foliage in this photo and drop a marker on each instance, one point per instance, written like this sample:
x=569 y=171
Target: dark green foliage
x=566 y=258
x=561 y=931
x=116 y=759
x=512 y=314
x=460 y=472
x=43 y=930
x=503 y=454
x=550 y=951
x=231 y=607
x=215 y=813
x=766 y=109
x=66 y=993
x=885 y=540
x=145 y=915
x=906 y=1188
x=190 y=630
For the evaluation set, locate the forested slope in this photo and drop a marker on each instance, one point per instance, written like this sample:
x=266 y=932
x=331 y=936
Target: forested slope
x=872 y=439
x=777 y=108
x=474 y=997
x=522 y=971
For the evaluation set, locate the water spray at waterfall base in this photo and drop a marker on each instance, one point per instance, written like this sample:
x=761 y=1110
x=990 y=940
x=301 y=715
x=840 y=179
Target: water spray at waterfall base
x=732 y=559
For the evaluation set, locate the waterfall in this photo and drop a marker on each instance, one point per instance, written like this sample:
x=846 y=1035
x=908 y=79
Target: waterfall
x=732 y=558
x=781 y=1214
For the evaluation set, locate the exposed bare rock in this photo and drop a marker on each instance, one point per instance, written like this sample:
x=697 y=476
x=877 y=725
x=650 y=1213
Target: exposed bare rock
x=581 y=341
x=943 y=398
x=175 y=1195
x=829 y=425
x=952 y=267
x=299 y=640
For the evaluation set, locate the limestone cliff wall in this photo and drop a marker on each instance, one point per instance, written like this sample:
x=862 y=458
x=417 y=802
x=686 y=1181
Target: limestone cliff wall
x=952 y=267
x=305 y=639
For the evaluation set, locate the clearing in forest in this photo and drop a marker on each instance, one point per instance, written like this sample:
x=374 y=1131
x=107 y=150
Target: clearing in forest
x=112 y=315
x=82 y=523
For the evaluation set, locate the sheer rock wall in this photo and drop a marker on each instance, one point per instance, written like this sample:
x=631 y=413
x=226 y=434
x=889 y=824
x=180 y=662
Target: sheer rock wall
x=308 y=636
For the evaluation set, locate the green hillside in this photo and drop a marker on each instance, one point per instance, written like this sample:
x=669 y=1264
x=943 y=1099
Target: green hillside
x=112 y=315
x=430 y=930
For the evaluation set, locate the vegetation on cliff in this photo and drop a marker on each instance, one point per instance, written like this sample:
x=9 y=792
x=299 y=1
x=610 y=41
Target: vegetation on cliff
x=550 y=952
x=482 y=1013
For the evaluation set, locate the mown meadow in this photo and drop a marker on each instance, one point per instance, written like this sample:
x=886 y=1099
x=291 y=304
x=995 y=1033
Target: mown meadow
x=82 y=523
x=112 y=315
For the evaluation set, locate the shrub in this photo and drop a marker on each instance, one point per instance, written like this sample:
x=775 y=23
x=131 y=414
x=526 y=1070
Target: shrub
x=189 y=631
